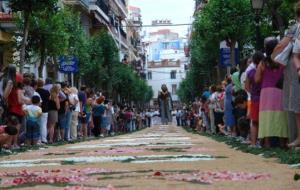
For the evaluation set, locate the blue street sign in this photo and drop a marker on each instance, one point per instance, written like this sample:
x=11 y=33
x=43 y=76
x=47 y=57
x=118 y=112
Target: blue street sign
x=68 y=64
x=225 y=55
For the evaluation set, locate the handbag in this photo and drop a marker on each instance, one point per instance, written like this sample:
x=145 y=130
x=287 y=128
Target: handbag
x=284 y=56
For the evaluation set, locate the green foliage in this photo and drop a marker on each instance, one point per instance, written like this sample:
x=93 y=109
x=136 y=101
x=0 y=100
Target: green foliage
x=27 y=9
x=233 y=21
x=55 y=32
x=101 y=69
x=129 y=85
x=48 y=33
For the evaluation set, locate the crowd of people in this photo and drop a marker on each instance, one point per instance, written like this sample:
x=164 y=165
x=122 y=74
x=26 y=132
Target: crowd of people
x=259 y=102
x=34 y=111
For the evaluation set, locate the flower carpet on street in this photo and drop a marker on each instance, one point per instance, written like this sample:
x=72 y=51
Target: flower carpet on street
x=211 y=177
x=56 y=176
x=160 y=157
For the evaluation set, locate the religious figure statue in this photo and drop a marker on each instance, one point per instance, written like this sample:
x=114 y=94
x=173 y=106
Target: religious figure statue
x=165 y=105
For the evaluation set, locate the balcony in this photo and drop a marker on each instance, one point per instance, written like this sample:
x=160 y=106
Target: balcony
x=83 y=3
x=122 y=6
x=123 y=33
x=124 y=2
x=101 y=8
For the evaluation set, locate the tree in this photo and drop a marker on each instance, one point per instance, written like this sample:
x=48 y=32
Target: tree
x=226 y=20
x=280 y=12
x=48 y=35
x=104 y=55
x=27 y=8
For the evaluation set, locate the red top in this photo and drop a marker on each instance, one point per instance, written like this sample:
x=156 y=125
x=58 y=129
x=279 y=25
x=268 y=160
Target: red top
x=13 y=104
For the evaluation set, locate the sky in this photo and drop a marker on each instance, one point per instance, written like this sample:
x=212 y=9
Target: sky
x=178 y=11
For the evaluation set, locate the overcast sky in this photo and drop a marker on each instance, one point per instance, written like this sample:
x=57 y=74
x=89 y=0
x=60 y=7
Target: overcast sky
x=178 y=11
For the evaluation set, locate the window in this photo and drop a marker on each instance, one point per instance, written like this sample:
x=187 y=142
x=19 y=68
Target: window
x=173 y=74
x=149 y=75
x=174 y=88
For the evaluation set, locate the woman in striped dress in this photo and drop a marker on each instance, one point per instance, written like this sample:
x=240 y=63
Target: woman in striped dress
x=272 y=119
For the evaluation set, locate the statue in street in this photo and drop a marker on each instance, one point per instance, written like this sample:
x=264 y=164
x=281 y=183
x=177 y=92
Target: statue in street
x=165 y=105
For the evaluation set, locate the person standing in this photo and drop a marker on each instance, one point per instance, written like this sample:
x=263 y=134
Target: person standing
x=291 y=85
x=62 y=113
x=14 y=94
x=53 y=107
x=165 y=105
x=33 y=113
x=254 y=89
x=74 y=105
x=296 y=82
x=273 y=121
x=211 y=107
x=82 y=116
x=97 y=113
x=178 y=116
x=228 y=108
x=45 y=95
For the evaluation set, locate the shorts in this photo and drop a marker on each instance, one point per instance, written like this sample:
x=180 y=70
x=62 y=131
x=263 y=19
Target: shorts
x=32 y=130
x=254 y=111
x=85 y=119
x=52 y=117
x=20 y=118
x=62 y=120
x=104 y=122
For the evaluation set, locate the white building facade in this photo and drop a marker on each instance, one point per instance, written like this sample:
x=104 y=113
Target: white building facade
x=166 y=62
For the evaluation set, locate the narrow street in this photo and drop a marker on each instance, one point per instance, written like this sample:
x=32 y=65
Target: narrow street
x=161 y=157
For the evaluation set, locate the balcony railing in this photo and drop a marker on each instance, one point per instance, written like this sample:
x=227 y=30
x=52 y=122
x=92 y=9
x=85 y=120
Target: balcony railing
x=123 y=33
x=103 y=5
x=122 y=6
x=124 y=2
x=86 y=3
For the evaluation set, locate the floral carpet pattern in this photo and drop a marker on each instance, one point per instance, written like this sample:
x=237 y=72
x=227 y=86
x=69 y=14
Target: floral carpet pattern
x=160 y=157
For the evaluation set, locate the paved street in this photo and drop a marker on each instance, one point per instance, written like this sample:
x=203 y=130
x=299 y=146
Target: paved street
x=161 y=157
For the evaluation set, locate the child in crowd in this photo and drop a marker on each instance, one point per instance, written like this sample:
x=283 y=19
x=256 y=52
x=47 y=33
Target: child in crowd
x=254 y=89
x=6 y=134
x=244 y=127
x=33 y=113
x=88 y=112
x=240 y=109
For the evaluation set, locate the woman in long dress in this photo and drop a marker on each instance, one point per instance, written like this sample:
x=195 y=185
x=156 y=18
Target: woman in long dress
x=272 y=119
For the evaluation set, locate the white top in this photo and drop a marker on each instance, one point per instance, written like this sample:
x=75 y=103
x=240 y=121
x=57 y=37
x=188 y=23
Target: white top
x=33 y=111
x=74 y=98
x=296 y=48
x=243 y=79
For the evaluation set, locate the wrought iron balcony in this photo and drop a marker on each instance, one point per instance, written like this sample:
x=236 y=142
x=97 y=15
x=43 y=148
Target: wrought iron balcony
x=103 y=5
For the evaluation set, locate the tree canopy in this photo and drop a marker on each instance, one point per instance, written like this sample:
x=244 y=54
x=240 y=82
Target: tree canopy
x=233 y=21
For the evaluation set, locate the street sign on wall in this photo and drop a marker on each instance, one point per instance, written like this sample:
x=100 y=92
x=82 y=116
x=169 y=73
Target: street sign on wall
x=225 y=54
x=68 y=64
